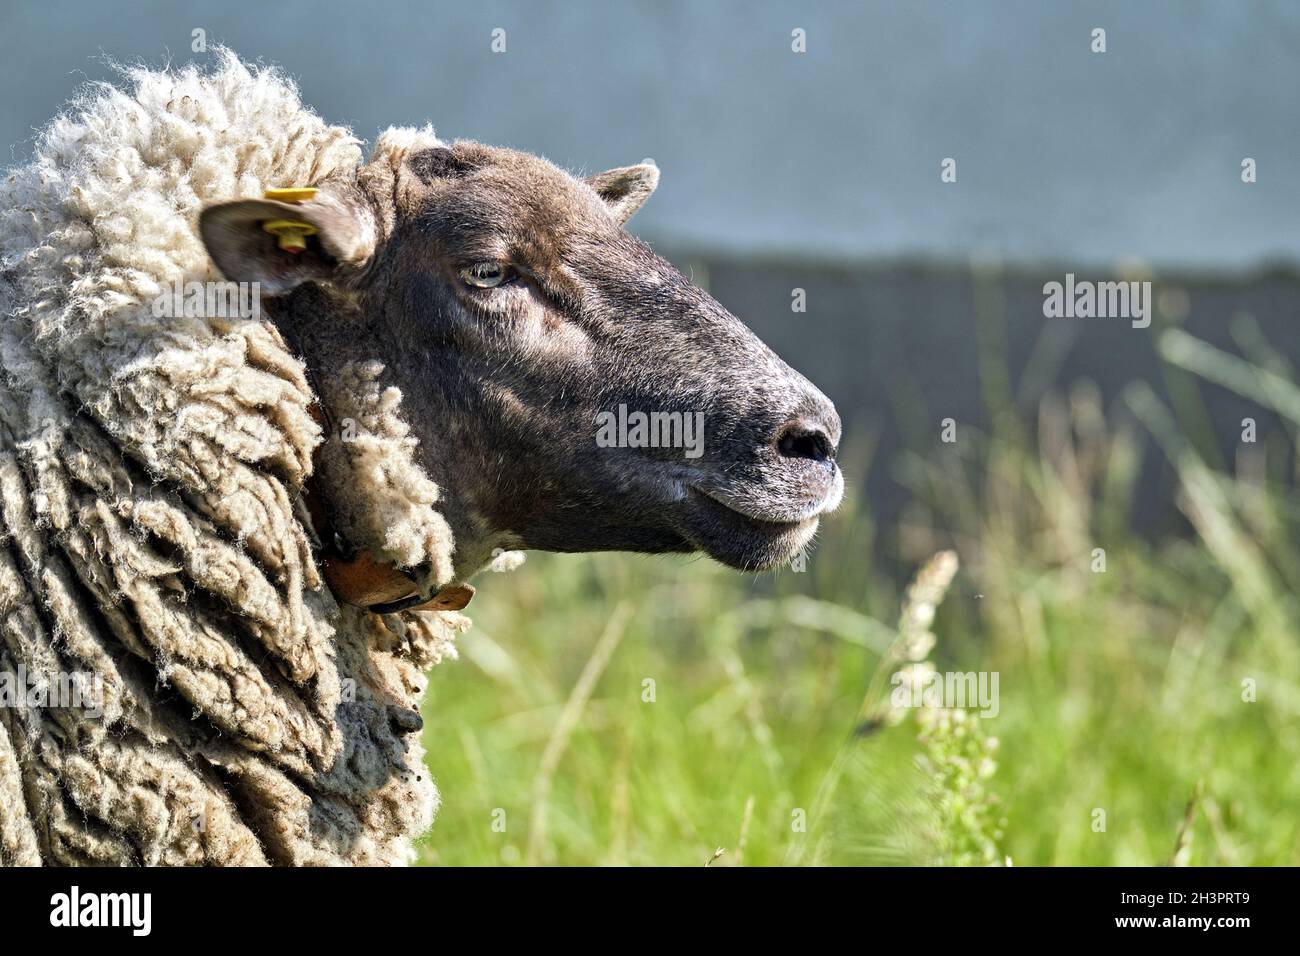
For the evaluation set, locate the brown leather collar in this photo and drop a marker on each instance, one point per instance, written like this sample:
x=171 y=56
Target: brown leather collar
x=357 y=577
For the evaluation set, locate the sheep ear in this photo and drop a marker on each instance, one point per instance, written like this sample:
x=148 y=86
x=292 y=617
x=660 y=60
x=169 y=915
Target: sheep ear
x=626 y=188
x=342 y=245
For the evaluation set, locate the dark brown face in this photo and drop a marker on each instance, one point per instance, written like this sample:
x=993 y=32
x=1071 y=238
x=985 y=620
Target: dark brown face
x=571 y=390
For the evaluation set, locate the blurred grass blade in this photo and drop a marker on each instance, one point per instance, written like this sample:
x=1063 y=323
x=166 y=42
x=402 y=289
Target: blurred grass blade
x=567 y=721
x=1250 y=381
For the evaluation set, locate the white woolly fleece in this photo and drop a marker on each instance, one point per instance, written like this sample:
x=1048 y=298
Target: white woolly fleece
x=151 y=531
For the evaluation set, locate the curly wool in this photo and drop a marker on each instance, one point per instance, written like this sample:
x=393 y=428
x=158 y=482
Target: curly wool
x=151 y=529
x=393 y=508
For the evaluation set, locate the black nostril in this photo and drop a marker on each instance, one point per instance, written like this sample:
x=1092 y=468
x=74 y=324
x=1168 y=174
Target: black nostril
x=801 y=440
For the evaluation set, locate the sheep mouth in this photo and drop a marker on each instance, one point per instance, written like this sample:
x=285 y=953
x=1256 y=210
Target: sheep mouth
x=740 y=539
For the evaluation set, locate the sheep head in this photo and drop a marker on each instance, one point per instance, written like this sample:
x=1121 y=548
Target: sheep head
x=570 y=390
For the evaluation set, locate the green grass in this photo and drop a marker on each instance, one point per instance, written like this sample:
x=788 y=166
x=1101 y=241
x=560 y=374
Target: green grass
x=1120 y=691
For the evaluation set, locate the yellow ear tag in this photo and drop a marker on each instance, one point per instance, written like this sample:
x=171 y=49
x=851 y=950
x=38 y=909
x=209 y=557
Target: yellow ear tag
x=293 y=194
x=291 y=233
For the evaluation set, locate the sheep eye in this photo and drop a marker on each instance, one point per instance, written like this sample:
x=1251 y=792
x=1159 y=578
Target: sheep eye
x=485 y=275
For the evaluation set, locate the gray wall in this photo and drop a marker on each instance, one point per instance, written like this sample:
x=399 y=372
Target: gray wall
x=1062 y=154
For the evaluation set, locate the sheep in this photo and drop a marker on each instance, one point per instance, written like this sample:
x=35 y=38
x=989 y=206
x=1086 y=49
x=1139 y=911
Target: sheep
x=148 y=482
x=190 y=679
